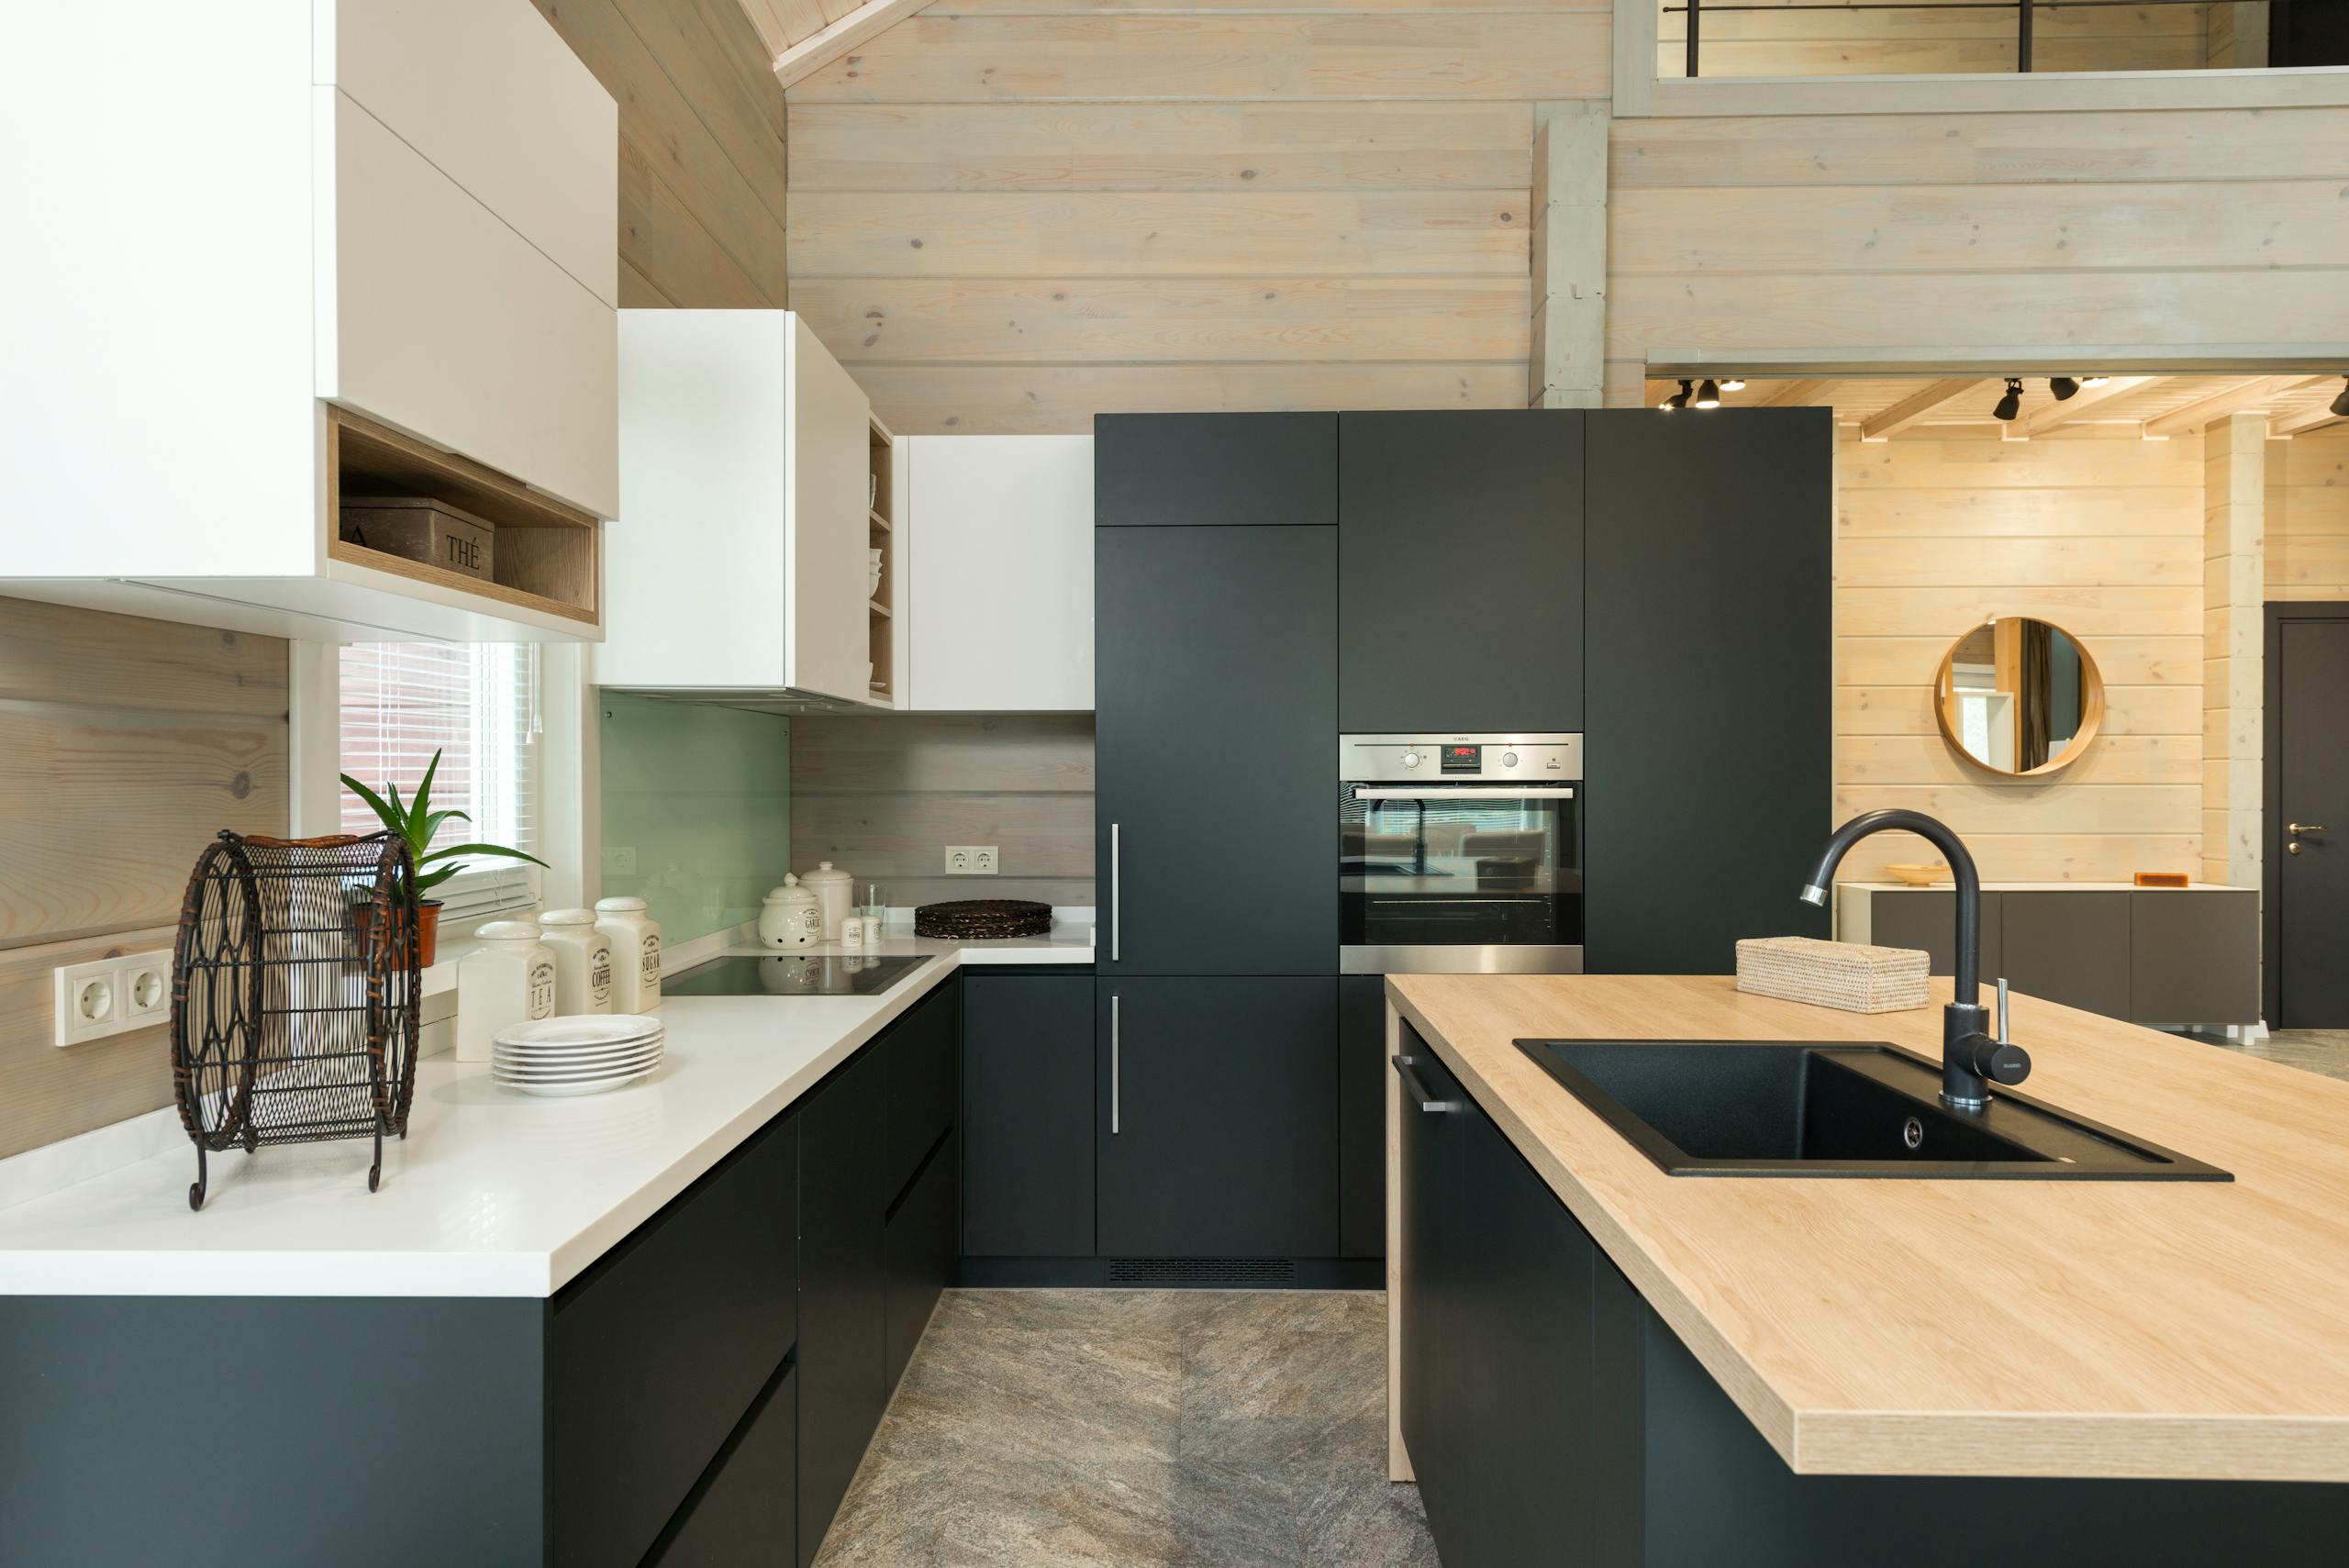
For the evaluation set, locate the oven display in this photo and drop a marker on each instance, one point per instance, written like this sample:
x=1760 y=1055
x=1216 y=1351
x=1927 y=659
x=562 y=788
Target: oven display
x=1464 y=759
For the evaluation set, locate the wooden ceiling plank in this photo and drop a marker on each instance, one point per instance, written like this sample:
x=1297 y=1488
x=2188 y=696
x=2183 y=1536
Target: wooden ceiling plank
x=2042 y=420
x=2316 y=416
x=811 y=54
x=1908 y=410
x=2230 y=400
x=1794 y=395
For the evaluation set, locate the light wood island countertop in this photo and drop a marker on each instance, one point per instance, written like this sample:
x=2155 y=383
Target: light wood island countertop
x=1904 y=1327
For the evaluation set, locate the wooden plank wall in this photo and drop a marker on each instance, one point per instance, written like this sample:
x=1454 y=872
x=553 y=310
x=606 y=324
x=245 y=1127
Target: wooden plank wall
x=701 y=170
x=1810 y=41
x=1011 y=214
x=2308 y=516
x=883 y=797
x=2100 y=535
x=124 y=745
x=1929 y=236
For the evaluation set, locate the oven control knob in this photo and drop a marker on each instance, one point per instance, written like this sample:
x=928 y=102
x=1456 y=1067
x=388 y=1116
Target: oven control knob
x=1410 y=759
x=1509 y=759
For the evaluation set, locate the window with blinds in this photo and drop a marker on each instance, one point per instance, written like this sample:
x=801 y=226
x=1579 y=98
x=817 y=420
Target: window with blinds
x=477 y=705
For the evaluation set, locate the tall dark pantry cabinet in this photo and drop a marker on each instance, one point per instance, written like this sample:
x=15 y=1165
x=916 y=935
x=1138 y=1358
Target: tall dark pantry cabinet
x=1216 y=715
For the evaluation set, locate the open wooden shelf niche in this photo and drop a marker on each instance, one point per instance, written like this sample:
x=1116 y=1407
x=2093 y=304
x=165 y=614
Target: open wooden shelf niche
x=882 y=637
x=545 y=556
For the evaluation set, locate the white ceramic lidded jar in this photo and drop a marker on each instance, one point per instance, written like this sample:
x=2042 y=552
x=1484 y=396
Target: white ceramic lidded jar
x=833 y=889
x=507 y=980
x=790 y=917
x=636 y=953
x=583 y=962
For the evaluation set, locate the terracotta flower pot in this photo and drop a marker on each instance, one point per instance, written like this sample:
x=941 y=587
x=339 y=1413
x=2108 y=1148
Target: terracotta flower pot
x=428 y=933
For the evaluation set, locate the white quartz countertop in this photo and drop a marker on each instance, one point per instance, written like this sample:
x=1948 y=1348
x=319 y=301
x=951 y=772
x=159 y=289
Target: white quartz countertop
x=492 y=1193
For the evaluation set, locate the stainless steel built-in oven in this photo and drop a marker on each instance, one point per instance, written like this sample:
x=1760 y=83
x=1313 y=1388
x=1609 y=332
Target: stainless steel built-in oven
x=1460 y=854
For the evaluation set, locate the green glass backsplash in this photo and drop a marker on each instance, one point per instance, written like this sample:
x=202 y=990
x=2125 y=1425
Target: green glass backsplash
x=701 y=797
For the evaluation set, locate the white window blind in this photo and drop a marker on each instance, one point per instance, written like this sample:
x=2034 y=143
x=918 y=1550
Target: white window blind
x=477 y=705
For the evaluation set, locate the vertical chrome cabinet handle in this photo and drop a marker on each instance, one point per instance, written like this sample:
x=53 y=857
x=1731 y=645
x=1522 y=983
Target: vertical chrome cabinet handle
x=1117 y=925
x=1114 y=1087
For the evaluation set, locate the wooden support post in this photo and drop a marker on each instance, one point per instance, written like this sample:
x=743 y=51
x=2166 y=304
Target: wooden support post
x=2234 y=570
x=1567 y=369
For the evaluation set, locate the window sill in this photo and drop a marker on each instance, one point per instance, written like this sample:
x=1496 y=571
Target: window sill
x=1678 y=97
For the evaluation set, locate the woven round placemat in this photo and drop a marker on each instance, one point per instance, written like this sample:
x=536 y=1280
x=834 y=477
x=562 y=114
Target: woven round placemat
x=975 y=919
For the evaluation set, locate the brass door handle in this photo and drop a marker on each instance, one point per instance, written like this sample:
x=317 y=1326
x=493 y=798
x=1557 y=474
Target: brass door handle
x=2296 y=828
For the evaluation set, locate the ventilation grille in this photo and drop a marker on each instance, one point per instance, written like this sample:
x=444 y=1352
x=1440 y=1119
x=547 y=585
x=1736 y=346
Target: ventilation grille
x=1202 y=1270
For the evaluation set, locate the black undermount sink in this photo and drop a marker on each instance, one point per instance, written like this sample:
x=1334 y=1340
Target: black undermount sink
x=1834 y=1108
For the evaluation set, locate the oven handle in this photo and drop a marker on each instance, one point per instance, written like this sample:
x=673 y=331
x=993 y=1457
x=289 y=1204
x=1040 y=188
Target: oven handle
x=1457 y=792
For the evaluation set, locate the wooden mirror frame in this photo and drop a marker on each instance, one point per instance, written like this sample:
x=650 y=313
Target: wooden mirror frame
x=2091 y=703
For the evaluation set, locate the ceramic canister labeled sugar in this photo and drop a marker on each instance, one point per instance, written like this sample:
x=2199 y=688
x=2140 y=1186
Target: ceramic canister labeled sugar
x=583 y=962
x=636 y=953
x=506 y=979
x=832 y=888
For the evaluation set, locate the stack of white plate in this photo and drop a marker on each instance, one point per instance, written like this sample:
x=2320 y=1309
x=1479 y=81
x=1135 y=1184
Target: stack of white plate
x=585 y=1055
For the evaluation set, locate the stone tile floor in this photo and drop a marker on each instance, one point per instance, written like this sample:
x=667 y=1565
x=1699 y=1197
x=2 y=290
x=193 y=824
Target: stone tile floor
x=2318 y=1051
x=1137 y=1428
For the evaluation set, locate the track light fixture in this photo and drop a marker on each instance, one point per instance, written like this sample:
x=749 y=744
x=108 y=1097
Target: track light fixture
x=1678 y=401
x=2011 y=404
x=1732 y=383
x=1708 y=395
x=2341 y=403
x=2094 y=380
x=2062 y=386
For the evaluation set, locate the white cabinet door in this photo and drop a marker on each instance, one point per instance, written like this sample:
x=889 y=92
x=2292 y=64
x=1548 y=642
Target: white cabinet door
x=487 y=91
x=437 y=318
x=827 y=460
x=1002 y=583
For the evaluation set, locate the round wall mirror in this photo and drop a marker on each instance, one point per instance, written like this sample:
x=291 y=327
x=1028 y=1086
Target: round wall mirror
x=2019 y=697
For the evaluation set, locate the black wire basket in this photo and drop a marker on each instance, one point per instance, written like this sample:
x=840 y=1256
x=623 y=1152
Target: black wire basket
x=294 y=988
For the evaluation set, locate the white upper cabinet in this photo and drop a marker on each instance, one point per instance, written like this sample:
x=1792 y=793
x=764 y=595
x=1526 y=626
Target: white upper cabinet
x=1000 y=537
x=289 y=251
x=740 y=562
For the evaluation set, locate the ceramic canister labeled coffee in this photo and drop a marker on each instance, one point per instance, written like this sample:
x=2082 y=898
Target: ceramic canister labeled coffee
x=790 y=917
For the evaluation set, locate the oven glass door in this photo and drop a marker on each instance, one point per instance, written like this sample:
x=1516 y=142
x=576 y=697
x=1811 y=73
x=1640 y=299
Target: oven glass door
x=1465 y=865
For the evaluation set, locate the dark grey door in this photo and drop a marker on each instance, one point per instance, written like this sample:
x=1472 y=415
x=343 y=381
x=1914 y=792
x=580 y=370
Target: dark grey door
x=843 y=1287
x=1179 y=470
x=2307 y=774
x=1219 y=1121
x=1028 y=1143
x=1216 y=750
x=1708 y=691
x=1432 y=1194
x=1460 y=571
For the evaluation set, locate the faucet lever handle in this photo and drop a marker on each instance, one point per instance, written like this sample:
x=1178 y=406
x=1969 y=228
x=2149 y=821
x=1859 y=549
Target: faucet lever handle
x=2003 y=1036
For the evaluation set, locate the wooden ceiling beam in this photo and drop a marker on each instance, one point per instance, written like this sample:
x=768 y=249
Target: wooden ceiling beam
x=2042 y=420
x=2234 y=399
x=817 y=50
x=1908 y=410
x=2314 y=416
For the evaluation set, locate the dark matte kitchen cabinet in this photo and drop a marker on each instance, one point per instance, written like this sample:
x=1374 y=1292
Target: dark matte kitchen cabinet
x=742 y=1516
x=1460 y=571
x=1925 y=918
x=1361 y=1116
x=1216 y=750
x=1496 y=1369
x=1707 y=689
x=2068 y=947
x=2193 y=956
x=1027 y=1115
x=1217 y=1118
x=843 y=1286
x=657 y=1351
x=1181 y=470
x=920 y=1240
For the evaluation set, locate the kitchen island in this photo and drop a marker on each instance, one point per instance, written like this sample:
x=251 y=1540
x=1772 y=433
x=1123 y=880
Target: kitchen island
x=1639 y=1367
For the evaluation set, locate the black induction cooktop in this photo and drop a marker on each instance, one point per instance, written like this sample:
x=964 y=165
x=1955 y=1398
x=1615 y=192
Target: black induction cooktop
x=792 y=974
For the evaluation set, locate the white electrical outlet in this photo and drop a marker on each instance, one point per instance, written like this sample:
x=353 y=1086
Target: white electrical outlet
x=110 y=995
x=970 y=860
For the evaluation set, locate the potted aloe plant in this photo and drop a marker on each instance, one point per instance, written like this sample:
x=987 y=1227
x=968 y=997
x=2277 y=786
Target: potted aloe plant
x=418 y=824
